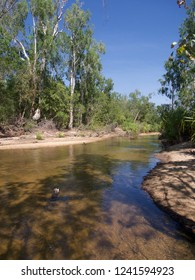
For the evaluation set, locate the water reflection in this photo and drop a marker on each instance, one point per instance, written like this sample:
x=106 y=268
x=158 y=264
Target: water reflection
x=101 y=212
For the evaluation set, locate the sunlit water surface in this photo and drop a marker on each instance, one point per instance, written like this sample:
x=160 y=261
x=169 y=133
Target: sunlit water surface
x=101 y=213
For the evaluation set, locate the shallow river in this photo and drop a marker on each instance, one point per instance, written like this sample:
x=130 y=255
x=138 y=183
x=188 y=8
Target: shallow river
x=101 y=212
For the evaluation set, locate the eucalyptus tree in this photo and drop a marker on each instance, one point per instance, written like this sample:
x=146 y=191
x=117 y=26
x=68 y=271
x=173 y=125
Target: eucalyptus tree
x=78 y=33
x=32 y=30
x=46 y=16
x=171 y=81
x=91 y=81
x=12 y=53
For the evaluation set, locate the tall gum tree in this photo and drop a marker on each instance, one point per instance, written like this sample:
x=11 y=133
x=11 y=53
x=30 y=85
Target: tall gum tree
x=14 y=57
x=46 y=17
x=33 y=28
x=91 y=80
x=84 y=66
x=77 y=33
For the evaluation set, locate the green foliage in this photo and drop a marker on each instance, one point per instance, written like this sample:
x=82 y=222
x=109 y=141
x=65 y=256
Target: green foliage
x=100 y=111
x=29 y=125
x=39 y=136
x=178 y=84
x=55 y=102
x=9 y=102
x=61 y=135
x=83 y=62
x=7 y=110
x=174 y=128
x=43 y=9
x=54 y=46
x=191 y=122
x=131 y=127
x=186 y=45
x=145 y=127
x=135 y=128
x=155 y=127
x=134 y=114
x=61 y=119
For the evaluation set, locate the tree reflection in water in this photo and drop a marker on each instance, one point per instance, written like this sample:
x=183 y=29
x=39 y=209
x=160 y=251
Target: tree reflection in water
x=101 y=212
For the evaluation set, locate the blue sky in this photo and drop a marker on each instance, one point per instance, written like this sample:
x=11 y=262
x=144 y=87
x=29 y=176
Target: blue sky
x=137 y=35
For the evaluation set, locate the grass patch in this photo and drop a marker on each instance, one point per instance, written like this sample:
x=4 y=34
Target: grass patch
x=39 y=136
x=61 y=135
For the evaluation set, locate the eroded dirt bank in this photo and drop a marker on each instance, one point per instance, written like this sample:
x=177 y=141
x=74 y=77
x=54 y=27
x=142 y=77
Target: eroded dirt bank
x=172 y=183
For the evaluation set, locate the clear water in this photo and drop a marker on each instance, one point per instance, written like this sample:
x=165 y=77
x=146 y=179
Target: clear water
x=101 y=212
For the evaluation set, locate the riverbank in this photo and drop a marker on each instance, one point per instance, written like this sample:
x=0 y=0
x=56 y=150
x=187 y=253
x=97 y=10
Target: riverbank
x=51 y=140
x=48 y=136
x=171 y=183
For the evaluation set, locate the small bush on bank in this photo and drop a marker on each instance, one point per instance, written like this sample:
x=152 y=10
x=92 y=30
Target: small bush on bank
x=131 y=128
x=39 y=136
x=175 y=128
x=190 y=121
x=61 y=120
x=61 y=135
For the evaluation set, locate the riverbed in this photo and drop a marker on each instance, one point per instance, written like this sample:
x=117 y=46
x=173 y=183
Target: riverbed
x=101 y=211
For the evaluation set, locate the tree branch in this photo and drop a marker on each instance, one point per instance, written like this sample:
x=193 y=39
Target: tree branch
x=6 y=9
x=23 y=50
x=35 y=44
x=59 y=17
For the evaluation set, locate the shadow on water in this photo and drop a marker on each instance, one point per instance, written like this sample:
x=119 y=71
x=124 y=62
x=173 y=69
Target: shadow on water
x=101 y=212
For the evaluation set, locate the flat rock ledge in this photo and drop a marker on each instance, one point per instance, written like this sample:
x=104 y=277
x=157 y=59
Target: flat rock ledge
x=171 y=184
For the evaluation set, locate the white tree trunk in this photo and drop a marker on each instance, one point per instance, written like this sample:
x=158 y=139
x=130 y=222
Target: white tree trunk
x=72 y=89
x=34 y=71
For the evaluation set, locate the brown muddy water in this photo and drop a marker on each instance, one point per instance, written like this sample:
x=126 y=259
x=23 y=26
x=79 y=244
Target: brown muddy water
x=101 y=212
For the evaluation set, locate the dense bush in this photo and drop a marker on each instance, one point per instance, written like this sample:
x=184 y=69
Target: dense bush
x=175 y=128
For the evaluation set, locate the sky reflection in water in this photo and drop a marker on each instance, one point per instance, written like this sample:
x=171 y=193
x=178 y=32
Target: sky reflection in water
x=101 y=213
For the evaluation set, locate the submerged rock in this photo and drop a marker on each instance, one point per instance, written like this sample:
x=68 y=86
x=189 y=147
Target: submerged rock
x=55 y=194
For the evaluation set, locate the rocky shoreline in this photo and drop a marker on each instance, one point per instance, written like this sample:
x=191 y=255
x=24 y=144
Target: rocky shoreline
x=171 y=184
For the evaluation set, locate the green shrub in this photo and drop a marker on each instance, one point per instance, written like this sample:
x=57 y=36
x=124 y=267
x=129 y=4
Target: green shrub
x=61 y=119
x=131 y=127
x=174 y=126
x=61 y=135
x=145 y=127
x=155 y=127
x=39 y=136
x=191 y=121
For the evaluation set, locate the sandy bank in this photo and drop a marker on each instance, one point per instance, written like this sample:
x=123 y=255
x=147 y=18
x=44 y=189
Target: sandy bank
x=30 y=142
x=54 y=138
x=172 y=183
